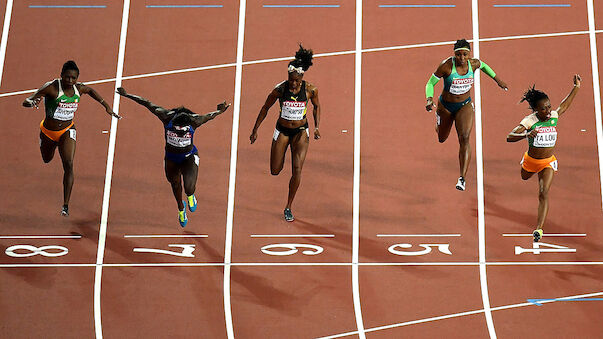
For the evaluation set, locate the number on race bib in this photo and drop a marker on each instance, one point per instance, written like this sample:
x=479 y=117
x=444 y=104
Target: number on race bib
x=443 y=248
x=187 y=250
x=32 y=250
x=536 y=249
x=290 y=249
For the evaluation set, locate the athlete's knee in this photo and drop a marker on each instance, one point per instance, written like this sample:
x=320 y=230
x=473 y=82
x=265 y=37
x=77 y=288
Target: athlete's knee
x=274 y=170
x=68 y=165
x=442 y=138
x=543 y=194
x=464 y=139
x=46 y=159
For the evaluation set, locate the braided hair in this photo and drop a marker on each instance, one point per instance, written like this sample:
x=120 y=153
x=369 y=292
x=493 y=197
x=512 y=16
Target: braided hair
x=532 y=96
x=303 y=60
x=461 y=44
x=70 y=65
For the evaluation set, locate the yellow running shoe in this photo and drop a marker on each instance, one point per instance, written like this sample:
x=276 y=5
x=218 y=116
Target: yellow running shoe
x=182 y=217
x=192 y=203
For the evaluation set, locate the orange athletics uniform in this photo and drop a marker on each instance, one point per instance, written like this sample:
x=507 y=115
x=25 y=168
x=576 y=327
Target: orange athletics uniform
x=546 y=138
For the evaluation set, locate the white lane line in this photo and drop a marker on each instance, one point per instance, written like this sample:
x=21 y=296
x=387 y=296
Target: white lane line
x=418 y=235
x=165 y=236
x=479 y=159
x=102 y=234
x=233 y=169
x=356 y=189
x=292 y=236
x=460 y=314
x=193 y=264
x=40 y=236
x=431 y=44
x=4 y=42
x=547 y=234
x=596 y=89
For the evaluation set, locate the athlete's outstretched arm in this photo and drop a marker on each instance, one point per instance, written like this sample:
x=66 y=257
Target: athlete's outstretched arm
x=316 y=110
x=94 y=95
x=567 y=101
x=34 y=99
x=476 y=63
x=199 y=120
x=159 y=111
x=272 y=97
x=443 y=70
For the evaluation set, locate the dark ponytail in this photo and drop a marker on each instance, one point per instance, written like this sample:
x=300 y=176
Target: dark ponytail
x=532 y=96
x=303 y=58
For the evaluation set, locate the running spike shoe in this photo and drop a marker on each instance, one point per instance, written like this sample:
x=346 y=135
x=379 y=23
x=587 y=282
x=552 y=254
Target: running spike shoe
x=288 y=214
x=65 y=211
x=192 y=203
x=460 y=184
x=182 y=217
x=537 y=234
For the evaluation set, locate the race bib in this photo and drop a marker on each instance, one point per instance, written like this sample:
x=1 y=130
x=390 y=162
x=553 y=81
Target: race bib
x=293 y=110
x=461 y=86
x=546 y=137
x=65 y=111
x=178 y=141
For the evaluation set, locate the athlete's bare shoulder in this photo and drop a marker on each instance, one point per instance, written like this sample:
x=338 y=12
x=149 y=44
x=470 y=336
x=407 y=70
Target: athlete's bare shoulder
x=280 y=87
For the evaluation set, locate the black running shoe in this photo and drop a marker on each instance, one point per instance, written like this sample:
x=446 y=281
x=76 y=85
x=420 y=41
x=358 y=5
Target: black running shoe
x=537 y=235
x=288 y=215
x=65 y=211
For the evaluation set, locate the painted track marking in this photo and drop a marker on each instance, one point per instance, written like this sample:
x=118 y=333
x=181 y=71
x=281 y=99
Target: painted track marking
x=102 y=234
x=233 y=168
x=547 y=235
x=165 y=236
x=455 y=315
x=356 y=186
x=418 y=235
x=292 y=236
x=596 y=88
x=4 y=41
x=479 y=159
x=40 y=236
x=368 y=50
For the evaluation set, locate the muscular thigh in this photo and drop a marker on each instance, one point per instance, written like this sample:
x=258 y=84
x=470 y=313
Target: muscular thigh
x=299 y=148
x=463 y=119
x=172 y=170
x=67 y=145
x=190 y=167
x=278 y=150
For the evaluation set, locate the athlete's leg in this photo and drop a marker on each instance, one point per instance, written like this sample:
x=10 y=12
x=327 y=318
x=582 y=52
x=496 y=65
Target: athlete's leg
x=464 y=123
x=172 y=173
x=47 y=147
x=299 y=148
x=190 y=170
x=444 y=121
x=545 y=178
x=525 y=175
x=277 y=153
x=67 y=152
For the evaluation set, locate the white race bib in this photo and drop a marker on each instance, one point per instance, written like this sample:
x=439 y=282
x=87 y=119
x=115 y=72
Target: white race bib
x=460 y=86
x=293 y=110
x=546 y=137
x=177 y=141
x=65 y=111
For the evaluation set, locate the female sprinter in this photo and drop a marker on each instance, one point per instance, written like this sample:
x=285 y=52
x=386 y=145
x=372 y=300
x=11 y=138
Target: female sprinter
x=454 y=102
x=292 y=125
x=540 y=128
x=181 y=159
x=61 y=99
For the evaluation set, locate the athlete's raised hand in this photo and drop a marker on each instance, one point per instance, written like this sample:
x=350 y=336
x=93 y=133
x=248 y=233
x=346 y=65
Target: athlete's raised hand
x=316 y=133
x=223 y=106
x=577 y=80
x=121 y=91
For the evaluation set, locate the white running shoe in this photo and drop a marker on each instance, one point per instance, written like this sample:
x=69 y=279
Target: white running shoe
x=460 y=184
